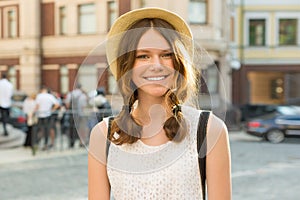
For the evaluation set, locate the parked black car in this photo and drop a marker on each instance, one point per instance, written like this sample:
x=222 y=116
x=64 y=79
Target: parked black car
x=250 y=111
x=18 y=98
x=17 y=118
x=276 y=126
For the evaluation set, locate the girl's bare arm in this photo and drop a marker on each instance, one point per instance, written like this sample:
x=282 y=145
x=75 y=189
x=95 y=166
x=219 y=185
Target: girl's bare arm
x=98 y=184
x=218 y=161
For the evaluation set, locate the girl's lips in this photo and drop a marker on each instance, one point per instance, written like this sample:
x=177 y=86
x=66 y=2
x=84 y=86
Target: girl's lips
x=156 y=78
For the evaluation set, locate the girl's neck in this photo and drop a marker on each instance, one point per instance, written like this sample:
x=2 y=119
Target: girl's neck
x=152 y=114
x=150 y=109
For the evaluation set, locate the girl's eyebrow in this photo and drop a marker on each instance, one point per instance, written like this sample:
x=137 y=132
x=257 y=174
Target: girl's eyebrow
x=147 y=51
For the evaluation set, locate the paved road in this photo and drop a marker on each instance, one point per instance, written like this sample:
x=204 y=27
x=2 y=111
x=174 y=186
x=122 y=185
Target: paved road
x=260 y=171
x=58 y=177
x=265 y=171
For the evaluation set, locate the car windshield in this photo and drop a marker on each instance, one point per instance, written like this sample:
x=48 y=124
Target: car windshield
x=287 y=110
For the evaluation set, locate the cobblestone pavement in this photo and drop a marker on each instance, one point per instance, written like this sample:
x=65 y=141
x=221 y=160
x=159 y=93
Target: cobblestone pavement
x=260 y=171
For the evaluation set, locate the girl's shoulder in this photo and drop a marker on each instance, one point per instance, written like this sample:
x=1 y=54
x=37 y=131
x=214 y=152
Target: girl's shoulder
x=97 y=142
x=190 y=111
x=100 y=128
x=193 y=114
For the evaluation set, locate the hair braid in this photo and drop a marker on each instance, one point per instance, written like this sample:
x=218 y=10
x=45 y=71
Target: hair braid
x=175 y=127
x=127 y=129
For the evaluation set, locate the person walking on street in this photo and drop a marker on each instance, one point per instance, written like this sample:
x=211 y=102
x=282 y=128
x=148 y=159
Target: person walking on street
x=54 y=116
x=76 y=101
x=6 y=92
x=29 y=107
x=99 y=100
x=46 y=104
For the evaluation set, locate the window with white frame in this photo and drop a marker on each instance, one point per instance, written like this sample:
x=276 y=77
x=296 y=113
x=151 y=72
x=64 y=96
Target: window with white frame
x=197 y=11
x=256 y=29
x=257 y=32
x=11 y=20
x=87 y=76
x=62 y=20
x=288 y=31
x=112 y=13
x=87 y=19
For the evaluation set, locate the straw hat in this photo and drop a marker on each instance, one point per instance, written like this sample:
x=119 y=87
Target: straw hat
x=125 y=21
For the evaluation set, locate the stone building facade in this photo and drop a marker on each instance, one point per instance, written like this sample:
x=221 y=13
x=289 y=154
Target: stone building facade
x=267 y=45
x=46 y=42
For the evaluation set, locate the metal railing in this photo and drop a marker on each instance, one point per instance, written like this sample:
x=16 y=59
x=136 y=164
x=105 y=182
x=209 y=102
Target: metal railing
x=68 y=127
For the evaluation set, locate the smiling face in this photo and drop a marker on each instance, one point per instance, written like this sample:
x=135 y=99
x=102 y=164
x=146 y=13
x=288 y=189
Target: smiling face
x=150 y=59
x=153 y=69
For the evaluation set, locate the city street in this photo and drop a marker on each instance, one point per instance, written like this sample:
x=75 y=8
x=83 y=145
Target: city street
x=260 y=171
x=265 y=171
x=58 y=177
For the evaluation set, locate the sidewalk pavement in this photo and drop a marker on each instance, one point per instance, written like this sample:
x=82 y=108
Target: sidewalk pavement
x=15 y=138
x=18 y=153
x=21 y=153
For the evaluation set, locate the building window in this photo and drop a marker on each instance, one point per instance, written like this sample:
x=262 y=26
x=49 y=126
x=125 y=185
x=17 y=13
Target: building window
x=210 y=80
x=12 y=24
x=88 y=77
x=257 y=32
x=112 y=13
x=291 y=87
x=87 y=19
x=288 y=31
x=64 y=79
x=47 y=19
x=62 y=20
x=197 y=11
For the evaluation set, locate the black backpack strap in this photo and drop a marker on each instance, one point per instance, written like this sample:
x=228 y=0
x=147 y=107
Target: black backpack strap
x=107 y=138
x=201 y=144
x=108 y=132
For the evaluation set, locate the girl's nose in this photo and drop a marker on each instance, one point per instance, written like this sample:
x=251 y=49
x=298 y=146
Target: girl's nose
x=156 y=63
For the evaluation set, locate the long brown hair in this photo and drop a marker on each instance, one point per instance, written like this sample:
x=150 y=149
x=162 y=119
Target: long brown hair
x=124 y=125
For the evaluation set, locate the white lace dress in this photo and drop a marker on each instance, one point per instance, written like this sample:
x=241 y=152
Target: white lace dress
x=169 y=171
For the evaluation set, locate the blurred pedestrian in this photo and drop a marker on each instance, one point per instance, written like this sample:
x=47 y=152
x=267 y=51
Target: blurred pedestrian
x=54 y=116
x=101 y=108
x=29 y=107
x=46 y=105
x=6 y=93
x=100 y=101
x=76 y=102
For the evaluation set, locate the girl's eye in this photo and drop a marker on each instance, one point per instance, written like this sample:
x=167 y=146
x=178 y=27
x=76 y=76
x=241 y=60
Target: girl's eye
x=167 y=55
x=142 y=57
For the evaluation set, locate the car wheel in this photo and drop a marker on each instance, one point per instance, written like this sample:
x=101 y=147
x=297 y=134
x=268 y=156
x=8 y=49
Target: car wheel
x=275 y=136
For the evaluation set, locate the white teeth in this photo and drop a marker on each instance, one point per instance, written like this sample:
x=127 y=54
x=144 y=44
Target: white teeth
x=155 y=78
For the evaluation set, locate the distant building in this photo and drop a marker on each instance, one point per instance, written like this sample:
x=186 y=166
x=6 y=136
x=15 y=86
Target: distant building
x=46 y=42
x=267 y=46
